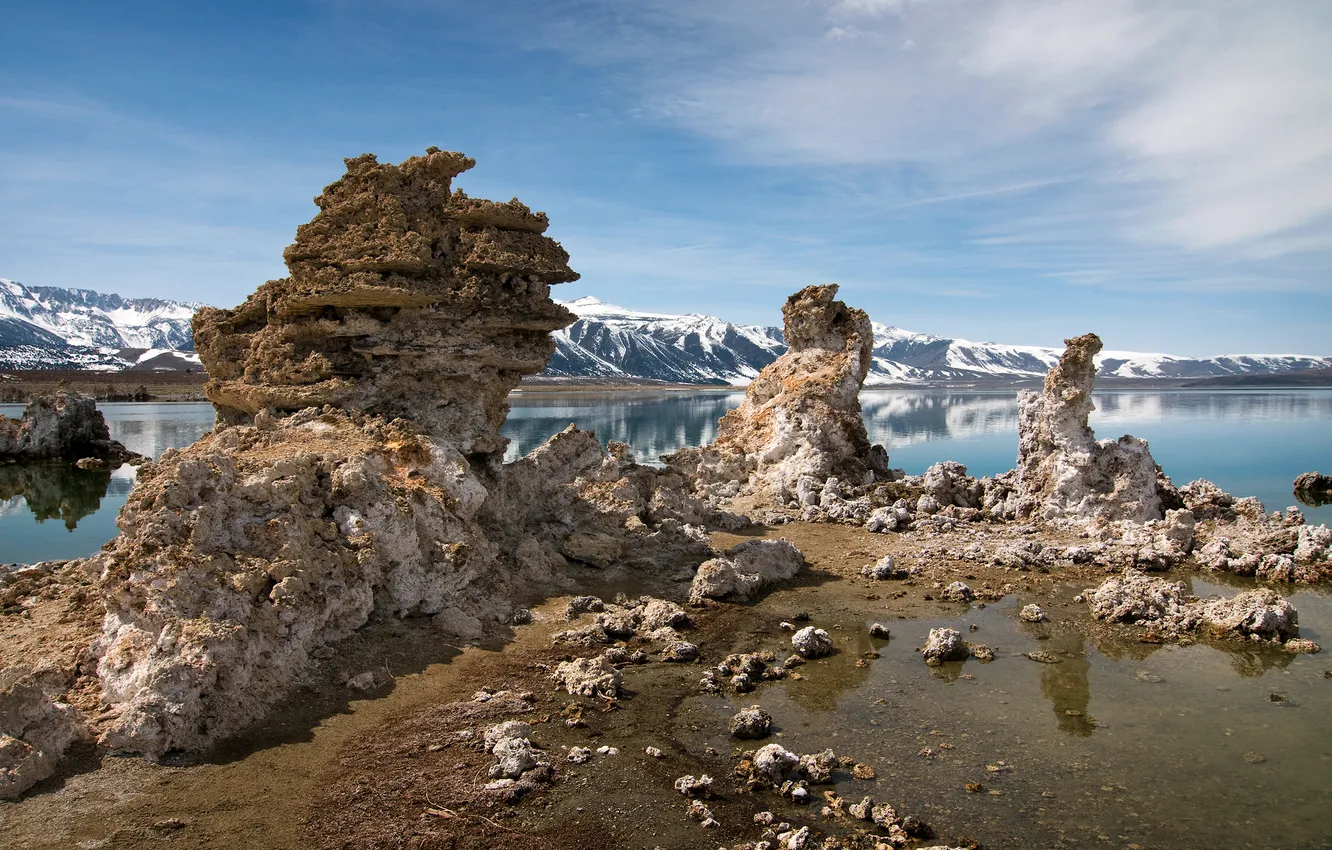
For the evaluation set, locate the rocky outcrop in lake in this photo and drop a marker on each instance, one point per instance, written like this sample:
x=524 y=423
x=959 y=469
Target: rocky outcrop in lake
x=1063 y=472
x=800 y=418
x=62 y=426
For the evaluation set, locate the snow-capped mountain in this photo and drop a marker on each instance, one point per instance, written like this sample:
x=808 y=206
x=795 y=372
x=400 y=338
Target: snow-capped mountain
x=43 y=327
x=46 y=327
x=612 y=342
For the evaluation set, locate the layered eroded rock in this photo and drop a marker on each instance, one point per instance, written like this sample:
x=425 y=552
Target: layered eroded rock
x=405 y=299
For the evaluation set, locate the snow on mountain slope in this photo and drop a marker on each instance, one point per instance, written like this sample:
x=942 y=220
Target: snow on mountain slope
x=46 y=327
x=611 y=341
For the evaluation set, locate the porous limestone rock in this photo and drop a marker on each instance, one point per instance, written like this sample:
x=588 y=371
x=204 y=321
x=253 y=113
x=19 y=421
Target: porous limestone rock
x=812 y=643
x=588 y=677
x=243 y=553
x=1313 y=488
x=405 y=299
x=751 y=723
x=800 y=417
x=1136 y=598
x=1260 y=612
x=1032 y=614
x=775 y=763
x=1162 y=605
x=277 y=534
x=882 y=569
x=958 y=592
x=1062 y=471
x=745 y=569
x=62 y=426
x=35 y=731
x=943 y=645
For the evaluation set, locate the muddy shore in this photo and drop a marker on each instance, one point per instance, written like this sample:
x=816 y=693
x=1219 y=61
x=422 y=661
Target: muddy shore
x=337 y=768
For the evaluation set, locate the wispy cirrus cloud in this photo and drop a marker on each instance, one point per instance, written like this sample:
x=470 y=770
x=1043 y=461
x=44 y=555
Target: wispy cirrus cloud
x=1204 y=125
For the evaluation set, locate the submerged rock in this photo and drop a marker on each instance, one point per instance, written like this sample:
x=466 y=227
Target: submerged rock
x=1062 y=471
x=1313 y=488
x=751 y=723
x=62 y=426
x=812 y=643
x=1163 y=606
x=801 y=416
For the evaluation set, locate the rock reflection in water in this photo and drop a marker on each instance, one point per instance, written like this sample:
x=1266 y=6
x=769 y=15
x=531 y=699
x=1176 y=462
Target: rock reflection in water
x=1066 y=684
x=60 y=491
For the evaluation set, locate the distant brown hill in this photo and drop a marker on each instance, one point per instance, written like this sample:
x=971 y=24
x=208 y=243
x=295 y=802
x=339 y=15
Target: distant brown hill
x=1301 y=378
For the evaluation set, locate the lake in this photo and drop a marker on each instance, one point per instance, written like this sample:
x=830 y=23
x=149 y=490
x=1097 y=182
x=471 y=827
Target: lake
x=1250 y=442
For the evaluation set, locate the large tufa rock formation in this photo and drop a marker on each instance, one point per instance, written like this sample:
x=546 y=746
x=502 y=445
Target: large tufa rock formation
x=410 y=313
x=1062 y=471
x=63 y=426
x=405 y=299
x=801 y=415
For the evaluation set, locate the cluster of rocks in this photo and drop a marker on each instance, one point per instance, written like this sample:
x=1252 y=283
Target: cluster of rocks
x=1110 y=492
x=519 y=765
x=1165 y=608
x=63 y=426
x=356 y=468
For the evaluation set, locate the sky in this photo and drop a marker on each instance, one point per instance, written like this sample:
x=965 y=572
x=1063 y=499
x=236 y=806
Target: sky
x=1015 y=171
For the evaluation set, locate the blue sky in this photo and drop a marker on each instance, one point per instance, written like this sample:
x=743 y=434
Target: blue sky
x=1009 y=170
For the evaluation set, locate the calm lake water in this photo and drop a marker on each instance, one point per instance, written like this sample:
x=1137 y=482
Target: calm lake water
x=1251 y=442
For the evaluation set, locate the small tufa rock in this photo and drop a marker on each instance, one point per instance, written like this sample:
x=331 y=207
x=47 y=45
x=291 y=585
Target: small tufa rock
x=588 y=677
x=695 y=787
x=882 y=569
x=680 y=651
x=812 y=643
x=943 y=645
x=1032 y=614
x=775 y=763
x=958 y=592
x=879 y=630
x=751 y=723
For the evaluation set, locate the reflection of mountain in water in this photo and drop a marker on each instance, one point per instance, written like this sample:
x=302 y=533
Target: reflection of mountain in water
x=904 y=417
x=652 y=424
x=57 y=491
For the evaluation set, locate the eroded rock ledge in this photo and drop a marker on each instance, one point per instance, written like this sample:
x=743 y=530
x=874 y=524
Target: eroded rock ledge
x=405 y=299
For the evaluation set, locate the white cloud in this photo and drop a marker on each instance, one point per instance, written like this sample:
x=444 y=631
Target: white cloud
x=1205 y=125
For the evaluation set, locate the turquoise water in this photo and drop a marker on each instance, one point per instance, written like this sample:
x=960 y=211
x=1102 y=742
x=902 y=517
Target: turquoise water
x=1250 y=442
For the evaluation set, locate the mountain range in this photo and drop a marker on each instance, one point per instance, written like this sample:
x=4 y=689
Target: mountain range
x=52 y=328
x=46 y=327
